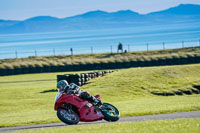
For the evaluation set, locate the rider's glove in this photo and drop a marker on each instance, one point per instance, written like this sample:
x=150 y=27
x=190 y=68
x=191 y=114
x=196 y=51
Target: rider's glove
x=97 y=101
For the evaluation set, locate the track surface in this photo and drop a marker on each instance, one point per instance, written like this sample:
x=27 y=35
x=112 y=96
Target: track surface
x=191 y=114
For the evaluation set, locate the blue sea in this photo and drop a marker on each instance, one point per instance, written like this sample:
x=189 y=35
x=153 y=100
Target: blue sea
x=140 y=38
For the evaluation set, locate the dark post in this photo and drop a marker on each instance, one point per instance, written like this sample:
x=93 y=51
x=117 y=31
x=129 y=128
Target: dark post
x=71 y=49
x=16 y=54
x=91 y=50
x=182 y=44
x=54 y=52
x=163 y=46
x=147 y=47
x=111 y=49
x=35 y=53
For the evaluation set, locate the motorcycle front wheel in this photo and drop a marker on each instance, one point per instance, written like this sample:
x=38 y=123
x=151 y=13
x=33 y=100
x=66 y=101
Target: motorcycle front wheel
x=110 y=112
x=68 y=116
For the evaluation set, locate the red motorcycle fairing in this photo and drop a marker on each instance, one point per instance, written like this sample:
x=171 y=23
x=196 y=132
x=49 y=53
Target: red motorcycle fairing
x=86 y=110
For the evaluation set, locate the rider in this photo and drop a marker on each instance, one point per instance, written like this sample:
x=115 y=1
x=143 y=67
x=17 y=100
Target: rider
x=72 y=89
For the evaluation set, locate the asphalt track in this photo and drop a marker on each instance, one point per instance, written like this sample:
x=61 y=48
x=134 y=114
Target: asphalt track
x=191 y=114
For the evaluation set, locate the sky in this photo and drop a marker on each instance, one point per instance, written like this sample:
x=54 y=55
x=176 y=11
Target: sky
x=24 y=9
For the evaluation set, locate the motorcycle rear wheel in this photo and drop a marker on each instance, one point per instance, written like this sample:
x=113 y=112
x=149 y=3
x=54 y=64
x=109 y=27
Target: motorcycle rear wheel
x=110 y=112
x=68 y=116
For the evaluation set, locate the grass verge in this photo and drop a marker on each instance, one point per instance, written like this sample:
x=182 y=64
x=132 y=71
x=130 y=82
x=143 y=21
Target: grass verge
x=155 y=126
x=64 y=60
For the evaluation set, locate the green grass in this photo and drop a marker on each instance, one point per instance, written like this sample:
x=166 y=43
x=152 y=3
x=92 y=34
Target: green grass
x=128 y=89
x=127 y=84
x=158 y=105
x=32 y=77
x=156 y=126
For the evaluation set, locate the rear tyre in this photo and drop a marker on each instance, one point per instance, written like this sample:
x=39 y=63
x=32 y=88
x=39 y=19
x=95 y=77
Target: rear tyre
x=68 y=116
x=110 y=112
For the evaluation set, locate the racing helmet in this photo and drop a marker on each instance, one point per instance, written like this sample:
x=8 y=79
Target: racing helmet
x=62 y=85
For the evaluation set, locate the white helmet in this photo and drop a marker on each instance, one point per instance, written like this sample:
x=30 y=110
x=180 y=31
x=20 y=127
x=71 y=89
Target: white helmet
x=62 y=85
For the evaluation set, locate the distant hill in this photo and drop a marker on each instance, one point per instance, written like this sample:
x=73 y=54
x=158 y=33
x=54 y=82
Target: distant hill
x=101 y=19
x=183 y=9
x=4 y=23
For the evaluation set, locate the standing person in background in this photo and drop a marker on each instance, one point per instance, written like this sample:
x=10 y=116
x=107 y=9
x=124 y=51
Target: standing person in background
x=120 y=47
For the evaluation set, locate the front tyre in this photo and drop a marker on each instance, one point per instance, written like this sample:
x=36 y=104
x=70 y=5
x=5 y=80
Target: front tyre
x=110 y=112
x=68 y=116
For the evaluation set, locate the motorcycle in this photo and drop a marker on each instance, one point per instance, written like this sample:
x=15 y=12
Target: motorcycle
x=71 y=109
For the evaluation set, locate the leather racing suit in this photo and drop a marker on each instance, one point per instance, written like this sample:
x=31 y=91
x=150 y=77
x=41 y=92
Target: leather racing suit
x=75 y=89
